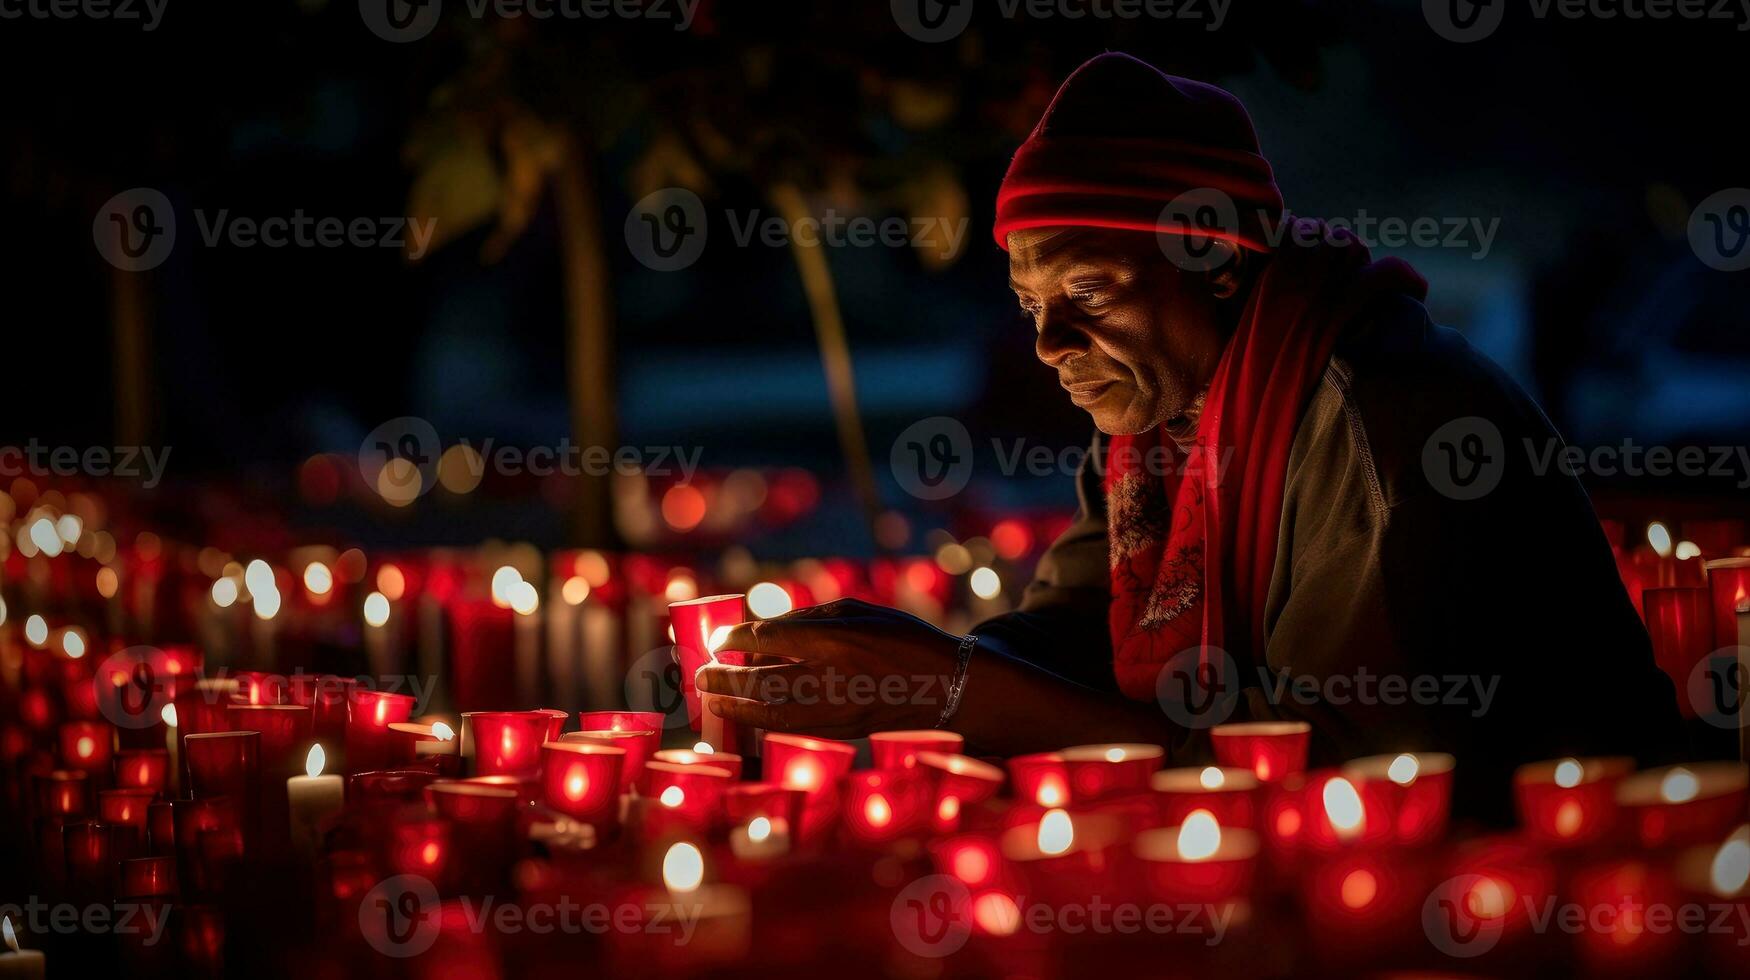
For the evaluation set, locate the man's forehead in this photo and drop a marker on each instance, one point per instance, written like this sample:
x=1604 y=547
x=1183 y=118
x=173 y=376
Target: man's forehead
x=1044 y=250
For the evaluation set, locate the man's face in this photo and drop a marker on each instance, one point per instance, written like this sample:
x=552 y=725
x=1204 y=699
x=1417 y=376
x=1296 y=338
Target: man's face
x=1132 y=337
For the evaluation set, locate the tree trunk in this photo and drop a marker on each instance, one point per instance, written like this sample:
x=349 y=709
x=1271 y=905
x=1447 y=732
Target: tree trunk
x=589 y=354
x=133 y=358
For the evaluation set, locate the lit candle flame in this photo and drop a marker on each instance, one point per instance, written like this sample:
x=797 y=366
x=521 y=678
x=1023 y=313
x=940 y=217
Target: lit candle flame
x=1569 y=816
x=1199 y=836
x=1679 y=786
x=442 y=732
x=718 y=637
x=683 y=868
x=758 y=829
x=704 y=748
x=85 y=746
x=1403 y=770
x=1731 y=864
x=672 y=797
x=376 y=609
x=1211 y=778
x=1114 y=755
x=169 y=715
x=1056 y=833
x=1569 y=773
x=578 y=782
x=1659 y=536
x=314 y=762
x=877 y=810
x=1343 y=808
x=11 y=937
x=1050 y=793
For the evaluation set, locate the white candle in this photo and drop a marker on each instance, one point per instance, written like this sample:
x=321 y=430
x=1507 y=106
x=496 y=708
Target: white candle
x=19 y=964
x=313 y=798
x=603 y=677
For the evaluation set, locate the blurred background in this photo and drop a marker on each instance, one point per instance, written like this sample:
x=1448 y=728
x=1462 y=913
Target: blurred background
x=527 y=319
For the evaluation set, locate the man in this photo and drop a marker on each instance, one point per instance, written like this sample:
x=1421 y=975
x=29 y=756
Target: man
x=1288 y=512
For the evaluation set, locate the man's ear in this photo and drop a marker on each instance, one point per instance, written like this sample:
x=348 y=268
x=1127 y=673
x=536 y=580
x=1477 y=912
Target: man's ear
x=1229 y=272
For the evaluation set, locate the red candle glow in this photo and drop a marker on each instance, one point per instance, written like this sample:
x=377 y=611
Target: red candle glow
x=899 y=750
x=1063 y=858
x=161 y=827
x=285 y=734
x=696 y=624
x=960 y=781
x=582 y=780
x=781 y=807
x=882 y=805
x=1363 y=901
x=622 y=721
x=223 y=763
x=1273 y=750
x=1681 y=625
x=1625 y=942
x=87 y=745
x=728 y=761
x=369 y=715
x=691 y=794
x=1198 y=860
x=508 y=743
x=640 y=745
x=127 y=811
x=1688 y=804
x=1041 y=778
x=201 y=708
x=1569 y=801
x=1728 y=582
x=327 y=698
x=147 y=876
x=1098 y=772
x=422 y=847
x=1407 y=798
x=1231 y=796
x=90 y=857
x=814 y=766
x=147 y=769
x=259 y=687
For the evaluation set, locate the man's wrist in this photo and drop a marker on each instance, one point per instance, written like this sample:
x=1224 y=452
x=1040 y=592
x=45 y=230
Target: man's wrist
x=957 y=681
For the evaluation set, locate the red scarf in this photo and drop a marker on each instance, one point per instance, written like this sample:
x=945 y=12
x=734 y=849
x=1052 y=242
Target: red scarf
x=1193 y=548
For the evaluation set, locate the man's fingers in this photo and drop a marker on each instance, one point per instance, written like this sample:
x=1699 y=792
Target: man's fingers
x=769 y=683
x=795 y=639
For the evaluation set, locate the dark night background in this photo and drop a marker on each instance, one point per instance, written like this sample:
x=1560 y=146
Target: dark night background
x=1591 y=141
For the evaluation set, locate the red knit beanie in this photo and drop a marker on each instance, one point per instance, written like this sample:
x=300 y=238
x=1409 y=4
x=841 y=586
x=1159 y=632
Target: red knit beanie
x=1121 y=140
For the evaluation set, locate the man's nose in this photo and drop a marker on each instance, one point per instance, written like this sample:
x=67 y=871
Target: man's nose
x=1059 y=340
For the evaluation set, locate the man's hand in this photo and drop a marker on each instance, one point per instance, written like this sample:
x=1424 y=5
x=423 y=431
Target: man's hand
x=838 y=670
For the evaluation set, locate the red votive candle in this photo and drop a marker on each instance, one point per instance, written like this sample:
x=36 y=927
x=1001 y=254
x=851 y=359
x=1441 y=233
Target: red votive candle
x=621 y=721
x=422 y=847
x=1041 y=778
x=1230 y=795
x=1681 y=624
x=145 y=877
x=87 y=746
x=508 y=743
x=961 y=777
x=640 y=745
x=327 y=697
x=582 y=780
x=1407 y=797
x=285 y=734
x=483 y=637
x=473 y=802
x=90 y=856
x=369 y=715
x=1694 y=803
x=1198 y=861
x=1335 y=815
x=259 y=687
x=745 y=801
x=1624 y=942
x=882 y=805
x=696 y=623
x=1362 y=901
x=208 y=831
x=814 y=766
x=692 y=794
x=127 y=811
x=1728 y=582
x=1063 y=857
x=63 y=792
x=1492 y=898
x=486 y=815
x=1569 y=801
x=223 y=763
x=728 y=761
x=161 y=827
x=201 y=708
x=147 y=769
x=1100 y=772
x=1273 y=750
x=899 y=750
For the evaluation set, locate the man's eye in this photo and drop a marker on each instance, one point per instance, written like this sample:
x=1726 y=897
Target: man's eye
x=1090 y=297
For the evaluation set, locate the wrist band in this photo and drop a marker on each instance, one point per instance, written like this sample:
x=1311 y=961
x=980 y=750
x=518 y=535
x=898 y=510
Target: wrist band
x=957 y=686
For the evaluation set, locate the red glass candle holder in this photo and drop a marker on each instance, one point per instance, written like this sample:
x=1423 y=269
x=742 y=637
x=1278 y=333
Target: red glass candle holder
x=286 y=734
x=202 y=708
x=259 y=687
x=1625 y=944
x=1231 y=795
x=959 y=781
x=1063 y=856
x=422 y=847
x=1680 y=622
x=369 y=715
x=87 y=745
x=1728 y=582
x=482 y=638
x=1336 y=816
x=1492 y=899
x=1198 y=862
x=1407 y=797
x=127 y=810
x=1569 y=802
x=147 y=769
x=899 y=750
x=1041 y=778
x=696 y=623
x=1694 y=803
x=883 y=805
x=1273 y=750
x=622 y=721
x=161 y=827
x=209 y=833
x=146 y=877
x=1362 y=902
x=727 y=761
x=1101 y=772
x=63 y=792
x=815 y=766
x=641 y=744
x=508 y=743
x=693 y=794
x=976 y=860
x=473 y=803
x=582 y=780
x=743 y=802
x=223 y=763
x=327 y=697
